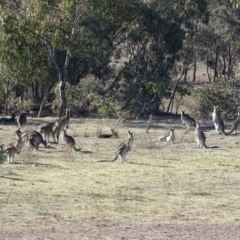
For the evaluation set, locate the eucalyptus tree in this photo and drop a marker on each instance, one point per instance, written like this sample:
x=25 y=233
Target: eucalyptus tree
x=194 y=13
x=219 y=41
x=152 y=46
x=24 y=64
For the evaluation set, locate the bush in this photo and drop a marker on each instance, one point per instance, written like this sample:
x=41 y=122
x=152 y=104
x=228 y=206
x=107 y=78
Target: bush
x=223 y=94
x=88 y=94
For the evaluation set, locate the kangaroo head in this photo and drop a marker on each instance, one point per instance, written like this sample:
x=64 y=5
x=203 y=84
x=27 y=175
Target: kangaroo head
x=130 y=134
x=18 y=131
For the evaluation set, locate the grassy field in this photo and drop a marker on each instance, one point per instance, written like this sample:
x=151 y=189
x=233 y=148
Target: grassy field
x=162 y=182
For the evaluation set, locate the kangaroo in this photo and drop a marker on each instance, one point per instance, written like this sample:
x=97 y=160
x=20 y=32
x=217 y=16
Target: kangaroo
x=35 y=134
x=31 y=144
x=11 y=120
x=123 y=149
x=106 y=135
x=170 y=138
x=11 y=151
x=38 y=139
x=48 y=129
x=218 y=122
x=190 y=122
x=22 y=118
x=64 y=121
x=23 y=135
x=56 y=131
x=69 y=141
x=201 y=137
x=235 y=124
x=20 y=143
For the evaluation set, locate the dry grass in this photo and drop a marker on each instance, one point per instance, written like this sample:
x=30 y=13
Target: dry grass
x=161 y=182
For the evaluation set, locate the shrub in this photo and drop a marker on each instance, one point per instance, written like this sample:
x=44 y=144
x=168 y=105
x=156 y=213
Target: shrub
x=89 y=91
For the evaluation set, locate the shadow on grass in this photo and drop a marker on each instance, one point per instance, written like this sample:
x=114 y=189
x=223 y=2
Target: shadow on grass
x=150 y=165
x=13 y=178
x=86 y=152
x=136 y=163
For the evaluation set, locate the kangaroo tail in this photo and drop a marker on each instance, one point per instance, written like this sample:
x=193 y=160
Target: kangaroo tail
x=224 y=133
x=76 y=149
x=116 y=157
x=230 y=131
x=210 y=147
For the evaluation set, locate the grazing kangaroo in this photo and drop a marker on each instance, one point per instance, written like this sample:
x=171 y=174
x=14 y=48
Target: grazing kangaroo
x=170 y=138
x=235 y=124
x=201 y=138
x=31 y=144
x=69 y=141
x=22 y=118
x=106 y=135
x=48 y=129
x=38 y=139
x=11 y=151
x=190 y=122
x=123 y=149
x=11 y=120
x=218 y=122
x=34 y=134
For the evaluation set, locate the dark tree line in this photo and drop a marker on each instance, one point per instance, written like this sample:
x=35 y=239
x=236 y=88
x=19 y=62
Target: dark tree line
x=103 y=58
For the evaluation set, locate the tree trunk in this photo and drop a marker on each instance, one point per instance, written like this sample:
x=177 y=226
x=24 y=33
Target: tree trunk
x=194 y=70
x=142 y=111
x=230 y=72
x=43 y=101
x=185 y=75
x=63 y=102
x=215 y=75
x=63 y=74
x=174 y=92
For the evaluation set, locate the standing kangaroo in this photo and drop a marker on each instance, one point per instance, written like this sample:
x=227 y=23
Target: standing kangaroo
x=201 y=138
x=22 y=119
x=218 y=122
x=20 y=143
x=190 y=122
x=235 y=124
x=123 y=149
x=48 y=129
x=69 y=141
x=64 y=121
x=11 y=151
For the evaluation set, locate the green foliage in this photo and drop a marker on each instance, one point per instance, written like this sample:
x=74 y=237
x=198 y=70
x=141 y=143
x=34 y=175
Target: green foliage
x=223 y=94
x=88 y=95
x=2 y=157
